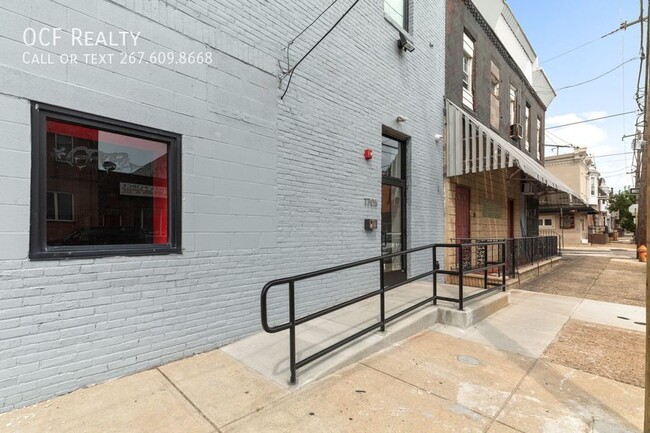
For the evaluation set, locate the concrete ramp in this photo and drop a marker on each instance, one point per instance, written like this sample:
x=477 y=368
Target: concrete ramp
x=268 y=354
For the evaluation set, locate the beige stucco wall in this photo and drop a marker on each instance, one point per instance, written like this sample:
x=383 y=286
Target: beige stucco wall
x=571 y=169
x=572 y=237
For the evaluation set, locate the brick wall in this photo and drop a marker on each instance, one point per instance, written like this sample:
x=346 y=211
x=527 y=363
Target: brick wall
x=460 y=20
x=489 y=195
x=489 y=191
x=270 y=187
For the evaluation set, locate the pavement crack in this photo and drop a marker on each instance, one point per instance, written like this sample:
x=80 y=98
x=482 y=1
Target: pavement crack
x=514 y=391
x=189 y=401
x=593 y=283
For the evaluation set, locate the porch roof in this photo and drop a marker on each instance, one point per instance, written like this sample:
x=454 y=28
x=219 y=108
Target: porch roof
x=485 y=150
x=566 y=210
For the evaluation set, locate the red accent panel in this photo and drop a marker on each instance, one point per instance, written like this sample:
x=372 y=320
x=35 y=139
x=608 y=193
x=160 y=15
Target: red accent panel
x=72 y=130
x=160 y=203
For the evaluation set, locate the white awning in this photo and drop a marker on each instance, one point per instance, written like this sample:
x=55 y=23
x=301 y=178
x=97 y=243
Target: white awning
x=473 y=148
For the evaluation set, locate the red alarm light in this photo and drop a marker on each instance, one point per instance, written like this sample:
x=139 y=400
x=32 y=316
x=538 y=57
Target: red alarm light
x=367 y=153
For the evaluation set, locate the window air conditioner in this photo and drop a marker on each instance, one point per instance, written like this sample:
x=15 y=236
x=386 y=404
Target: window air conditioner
x=516 y=131
x=528 y=188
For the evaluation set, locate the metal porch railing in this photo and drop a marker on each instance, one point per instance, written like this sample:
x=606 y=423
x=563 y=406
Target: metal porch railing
x=524 y=251
x=492 y=252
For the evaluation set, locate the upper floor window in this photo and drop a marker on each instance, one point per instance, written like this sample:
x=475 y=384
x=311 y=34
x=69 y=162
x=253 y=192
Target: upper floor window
x=540 y=141
x=528 y=126
x=468 y=71
x=513 y=105
x=398 y=11
x=593 y=186
x=102 y=187
x=495 y=114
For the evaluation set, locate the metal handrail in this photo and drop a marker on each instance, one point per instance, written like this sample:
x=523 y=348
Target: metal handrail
x=294 y=321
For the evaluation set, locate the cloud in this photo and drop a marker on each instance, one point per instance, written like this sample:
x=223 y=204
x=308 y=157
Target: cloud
x=597 y=142
x=587 y=135
x=561 y=119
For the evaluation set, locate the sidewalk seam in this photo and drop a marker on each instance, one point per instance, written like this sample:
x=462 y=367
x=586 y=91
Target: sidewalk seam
x=514 y=391
x=593 y=283
x=189 y=401
x=421 y=389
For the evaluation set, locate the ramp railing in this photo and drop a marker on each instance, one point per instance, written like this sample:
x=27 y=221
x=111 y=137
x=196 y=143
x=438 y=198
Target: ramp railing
x=495 y=249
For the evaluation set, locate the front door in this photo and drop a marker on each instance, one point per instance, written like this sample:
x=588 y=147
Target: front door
x=393 y=208
x=463 y=232
x=463 y=228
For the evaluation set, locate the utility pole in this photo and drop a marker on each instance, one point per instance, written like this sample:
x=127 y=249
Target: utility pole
x=644 y=160
x=641 y=198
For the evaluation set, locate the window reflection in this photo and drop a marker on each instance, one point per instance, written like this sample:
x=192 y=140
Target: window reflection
x=391 y=158
x=104 y=188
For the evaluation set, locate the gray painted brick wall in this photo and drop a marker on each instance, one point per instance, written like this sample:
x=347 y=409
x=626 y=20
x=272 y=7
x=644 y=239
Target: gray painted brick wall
x=270 y=187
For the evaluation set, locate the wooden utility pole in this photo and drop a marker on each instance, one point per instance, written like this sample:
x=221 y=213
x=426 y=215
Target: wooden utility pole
x=645 y=159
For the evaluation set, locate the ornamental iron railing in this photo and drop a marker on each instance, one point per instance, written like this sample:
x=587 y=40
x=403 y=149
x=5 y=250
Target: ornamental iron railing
x=519 y=251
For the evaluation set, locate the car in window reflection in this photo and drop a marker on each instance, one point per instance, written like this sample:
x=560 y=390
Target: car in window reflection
x=104 y=236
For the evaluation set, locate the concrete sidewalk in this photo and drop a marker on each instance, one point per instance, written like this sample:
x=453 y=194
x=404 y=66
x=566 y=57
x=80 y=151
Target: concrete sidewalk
x=489 y=377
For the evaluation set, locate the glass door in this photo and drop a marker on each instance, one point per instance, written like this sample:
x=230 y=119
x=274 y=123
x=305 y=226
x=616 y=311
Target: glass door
x=393 y=209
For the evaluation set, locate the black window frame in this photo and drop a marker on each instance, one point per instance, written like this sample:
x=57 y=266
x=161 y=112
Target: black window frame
x=38 y=248
x=401 y=182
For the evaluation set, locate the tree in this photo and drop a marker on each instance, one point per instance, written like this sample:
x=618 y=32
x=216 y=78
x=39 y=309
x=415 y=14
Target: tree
x=621 y=201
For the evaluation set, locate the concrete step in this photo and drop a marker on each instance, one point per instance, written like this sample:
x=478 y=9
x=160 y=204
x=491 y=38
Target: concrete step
x=474 y=311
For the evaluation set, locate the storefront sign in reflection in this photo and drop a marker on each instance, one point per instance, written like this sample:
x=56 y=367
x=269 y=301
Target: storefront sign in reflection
x=139 y=190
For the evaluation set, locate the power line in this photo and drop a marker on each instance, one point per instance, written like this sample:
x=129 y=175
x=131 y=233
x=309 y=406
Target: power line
x=559 y=138
x=591 y=120
x=303 y=31
x=624 y=25
x=312 y=23
x=611 y=154
x=292 y=70
x=571 y=50
x=595 y=78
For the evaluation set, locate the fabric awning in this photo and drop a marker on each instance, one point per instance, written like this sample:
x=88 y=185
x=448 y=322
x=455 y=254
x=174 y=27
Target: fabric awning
x=473 y=147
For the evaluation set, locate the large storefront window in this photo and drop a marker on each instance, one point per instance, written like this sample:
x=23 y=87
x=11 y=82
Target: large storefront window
x=102 y=187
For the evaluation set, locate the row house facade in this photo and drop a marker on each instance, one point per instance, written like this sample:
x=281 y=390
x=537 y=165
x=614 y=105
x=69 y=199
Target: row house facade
x=578 y=221
x=191 y=153
x=604 y=195
x=496 y=100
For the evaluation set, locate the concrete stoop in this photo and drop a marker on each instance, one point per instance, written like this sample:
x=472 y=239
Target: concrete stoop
x=268 y=354
x=475 y=311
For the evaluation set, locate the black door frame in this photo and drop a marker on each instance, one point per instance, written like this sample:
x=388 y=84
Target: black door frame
x=394 y=277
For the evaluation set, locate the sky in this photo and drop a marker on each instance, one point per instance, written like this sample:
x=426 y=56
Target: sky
x=554 y=27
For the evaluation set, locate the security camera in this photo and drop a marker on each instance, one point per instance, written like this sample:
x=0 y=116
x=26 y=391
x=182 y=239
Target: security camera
x=437 y=137
x=405 y=43
x=401 y=119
